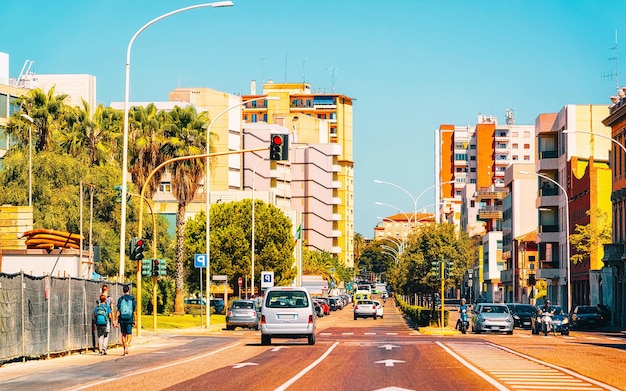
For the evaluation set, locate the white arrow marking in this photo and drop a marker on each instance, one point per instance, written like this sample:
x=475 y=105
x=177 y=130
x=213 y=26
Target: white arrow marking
x=243 y=364
x=389 y=346
x=389 y=362
x=277 y=348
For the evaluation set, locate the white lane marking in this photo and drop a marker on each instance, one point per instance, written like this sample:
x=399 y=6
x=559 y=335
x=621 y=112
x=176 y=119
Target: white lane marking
x=571 y=373
x=277 y=348
x=389 y=362
x=156 y=368
x=369 y=333
x=347 y=333
x=326 y=334
x=303 y=372
x=389 y=346
x=391 y=333
x=243 y=365
x=472 y=368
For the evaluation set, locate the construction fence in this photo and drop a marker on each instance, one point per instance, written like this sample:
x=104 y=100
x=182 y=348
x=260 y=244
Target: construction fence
x=46 y=316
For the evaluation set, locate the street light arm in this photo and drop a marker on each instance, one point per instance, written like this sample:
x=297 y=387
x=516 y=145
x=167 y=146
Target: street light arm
x=567 y=131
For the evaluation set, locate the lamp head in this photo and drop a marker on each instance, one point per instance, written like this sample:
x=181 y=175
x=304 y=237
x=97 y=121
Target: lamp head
x=27 y=118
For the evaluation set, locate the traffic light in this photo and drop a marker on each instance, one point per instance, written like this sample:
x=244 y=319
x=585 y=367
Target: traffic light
x=159 y=267
x=279 y=147
x=531 y=280
x=146 y=267
x=137 y=246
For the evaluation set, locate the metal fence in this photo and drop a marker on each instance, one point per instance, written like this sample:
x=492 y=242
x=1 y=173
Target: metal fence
x=44 y=316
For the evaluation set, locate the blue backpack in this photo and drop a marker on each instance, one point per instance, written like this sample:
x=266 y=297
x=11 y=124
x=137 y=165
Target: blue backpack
x=126 y=309
x=102 y=314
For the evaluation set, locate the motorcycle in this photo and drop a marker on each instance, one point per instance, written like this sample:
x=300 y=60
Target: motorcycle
x=463 y=321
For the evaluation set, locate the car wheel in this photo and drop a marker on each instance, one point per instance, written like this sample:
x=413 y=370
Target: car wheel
x=266 y=339
x=312 y=339
x=510 y=332
x=374 y=317
x=355 y=317
x=565 y=332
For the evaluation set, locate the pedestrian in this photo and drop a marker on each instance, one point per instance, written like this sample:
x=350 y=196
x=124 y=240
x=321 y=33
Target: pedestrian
x=111 y=323
x=102 y=318
x=126 y=307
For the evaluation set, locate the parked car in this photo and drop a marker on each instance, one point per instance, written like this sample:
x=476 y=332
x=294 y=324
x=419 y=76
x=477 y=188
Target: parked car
x=338 y=302
x=605 y=310
x=588 y=316
x=218 y=305
x=324 y=305
x=560 y=320
x=379 y=309
x=492 y=317
x=287 y=312
x=365 y=309
x=522 y=314
x=243 y=313
x=334 y=304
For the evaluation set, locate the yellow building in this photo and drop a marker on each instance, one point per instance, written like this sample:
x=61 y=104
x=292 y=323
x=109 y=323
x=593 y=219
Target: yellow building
x=296 y=105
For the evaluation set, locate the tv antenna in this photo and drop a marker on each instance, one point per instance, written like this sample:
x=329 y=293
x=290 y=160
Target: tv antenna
x=333 y=72
x=613 y=74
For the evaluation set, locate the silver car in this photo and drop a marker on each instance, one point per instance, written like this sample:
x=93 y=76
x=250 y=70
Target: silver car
x=492 y=317
x=287 y=312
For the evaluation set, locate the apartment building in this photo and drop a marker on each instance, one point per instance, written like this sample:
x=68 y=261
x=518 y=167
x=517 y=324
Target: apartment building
x=297 y=107
x=471 y=163
x=573 y=177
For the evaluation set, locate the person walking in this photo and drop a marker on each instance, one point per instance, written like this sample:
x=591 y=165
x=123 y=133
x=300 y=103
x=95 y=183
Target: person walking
x=110 y=302
x=126 y=308
x=102 y=318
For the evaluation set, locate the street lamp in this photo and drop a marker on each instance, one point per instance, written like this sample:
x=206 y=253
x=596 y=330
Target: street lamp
x=207 y=179
x=566 y=131
x=30 y=158
x=567 y=265
x=253 y=219
x=126 y=109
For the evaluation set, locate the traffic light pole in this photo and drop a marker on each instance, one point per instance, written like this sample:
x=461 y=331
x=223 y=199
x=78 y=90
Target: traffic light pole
x=140 y=228
x=443 y=299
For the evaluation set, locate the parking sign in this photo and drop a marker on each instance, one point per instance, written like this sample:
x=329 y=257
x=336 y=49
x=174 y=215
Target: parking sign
x=267 y=279
x=199 y=260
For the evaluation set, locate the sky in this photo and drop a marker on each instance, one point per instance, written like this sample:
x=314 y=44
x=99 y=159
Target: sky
x=409 y=65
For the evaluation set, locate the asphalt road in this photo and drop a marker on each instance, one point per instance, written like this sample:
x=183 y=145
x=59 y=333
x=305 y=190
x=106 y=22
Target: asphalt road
x=365 y=354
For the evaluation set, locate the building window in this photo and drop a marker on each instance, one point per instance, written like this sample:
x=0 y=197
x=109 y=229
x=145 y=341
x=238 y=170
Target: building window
x=253 y=117
x=460 y=156
x=515 y=146
x=515 y=157
x=472 y=146
x=472 y=169
x=514 y=134
x=4 y=105
x=526 y=146
x=526 y=157
x=264 y=120
x=526 y=134
x=165 y=187
x=472 y=180
x=472 y=158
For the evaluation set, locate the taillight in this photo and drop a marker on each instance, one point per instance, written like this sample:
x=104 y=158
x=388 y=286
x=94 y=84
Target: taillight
x=230 y=313
x=373 y=307
x=262 y=319
x=310 y=319
x=356 y=308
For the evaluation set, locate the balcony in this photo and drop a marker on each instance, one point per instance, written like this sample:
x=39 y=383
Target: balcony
x=335 y=233
x=335 y=201
x=548 y=154
x=548 y=228
x=490 y=212
x=490 y=193
x=549 y=274
x=506 y=276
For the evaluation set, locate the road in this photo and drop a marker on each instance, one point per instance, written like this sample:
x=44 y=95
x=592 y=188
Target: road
x=365 y=354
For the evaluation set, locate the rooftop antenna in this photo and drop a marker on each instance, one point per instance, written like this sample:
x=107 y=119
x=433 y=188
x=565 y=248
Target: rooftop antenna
x=613 y=74
x=333 y=72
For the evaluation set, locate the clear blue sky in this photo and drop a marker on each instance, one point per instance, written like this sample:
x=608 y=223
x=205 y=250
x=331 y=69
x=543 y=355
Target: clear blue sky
x=410 y=65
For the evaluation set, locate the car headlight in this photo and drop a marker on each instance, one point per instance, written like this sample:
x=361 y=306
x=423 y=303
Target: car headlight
x=516 y=317
x=481 y=318
x=509 y=319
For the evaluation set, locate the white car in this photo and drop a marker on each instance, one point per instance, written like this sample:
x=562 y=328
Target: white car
x=379 y=309
x=365 y=309
x=287 y=312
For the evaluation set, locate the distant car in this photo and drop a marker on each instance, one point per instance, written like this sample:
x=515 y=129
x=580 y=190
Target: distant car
x=588 y=316
x=379 y=309
x=605 y=310
x=287 y=312
x=492 y=317
x=218 y=305
x=522 y=314
x=365 y=309
x=319 y=311
x=560 y=320
x=243 y=313
x=324 y=305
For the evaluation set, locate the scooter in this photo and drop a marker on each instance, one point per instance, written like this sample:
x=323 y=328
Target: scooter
x=546 y=323
x=463 y=321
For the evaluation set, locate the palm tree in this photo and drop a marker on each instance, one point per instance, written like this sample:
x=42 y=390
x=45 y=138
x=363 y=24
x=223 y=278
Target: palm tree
x=184 y=135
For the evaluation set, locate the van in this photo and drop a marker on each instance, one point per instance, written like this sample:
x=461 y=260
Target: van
x=287 y=312
x=361 y=295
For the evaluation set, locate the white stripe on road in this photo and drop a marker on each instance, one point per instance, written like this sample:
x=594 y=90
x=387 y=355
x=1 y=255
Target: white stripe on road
x=477 y=371
x=156 y=368
x=307 y=369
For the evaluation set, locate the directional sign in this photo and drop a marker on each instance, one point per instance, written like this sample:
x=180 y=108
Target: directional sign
x=389 y=346
x=267 y=279
x=243 y=365
x=199 y=260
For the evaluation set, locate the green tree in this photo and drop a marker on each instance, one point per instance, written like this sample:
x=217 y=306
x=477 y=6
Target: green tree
x=591 y=237
x=184 y=136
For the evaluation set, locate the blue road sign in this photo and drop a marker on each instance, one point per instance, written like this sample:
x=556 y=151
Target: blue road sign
x=199 y=260
x=267 y=279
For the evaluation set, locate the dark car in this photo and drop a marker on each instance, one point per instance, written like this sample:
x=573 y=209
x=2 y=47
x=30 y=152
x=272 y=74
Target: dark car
x=243 y=313
x=522 y=314
x=588 y=316
x=560 y=320
x=605 y=310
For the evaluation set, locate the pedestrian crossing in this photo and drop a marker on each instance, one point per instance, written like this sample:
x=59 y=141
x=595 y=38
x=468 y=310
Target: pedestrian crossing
x=514 y=371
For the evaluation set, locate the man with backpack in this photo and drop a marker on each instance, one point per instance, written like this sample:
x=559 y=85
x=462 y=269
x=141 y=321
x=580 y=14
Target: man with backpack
x=102 y=318
x=126 y=307
x=110 y=303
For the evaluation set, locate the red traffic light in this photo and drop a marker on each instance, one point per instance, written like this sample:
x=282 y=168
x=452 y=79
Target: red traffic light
x=277 y=140
x=139 y=242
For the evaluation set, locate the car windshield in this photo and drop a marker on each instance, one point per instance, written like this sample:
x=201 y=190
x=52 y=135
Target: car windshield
x=496 y=309
x=286 y=299
x=524 y=308
x=243 y=305
x=587 y=310
x=364 y=302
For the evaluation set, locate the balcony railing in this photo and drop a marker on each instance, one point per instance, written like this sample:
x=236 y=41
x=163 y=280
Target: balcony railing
x=548 y=154
x=548 y=228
